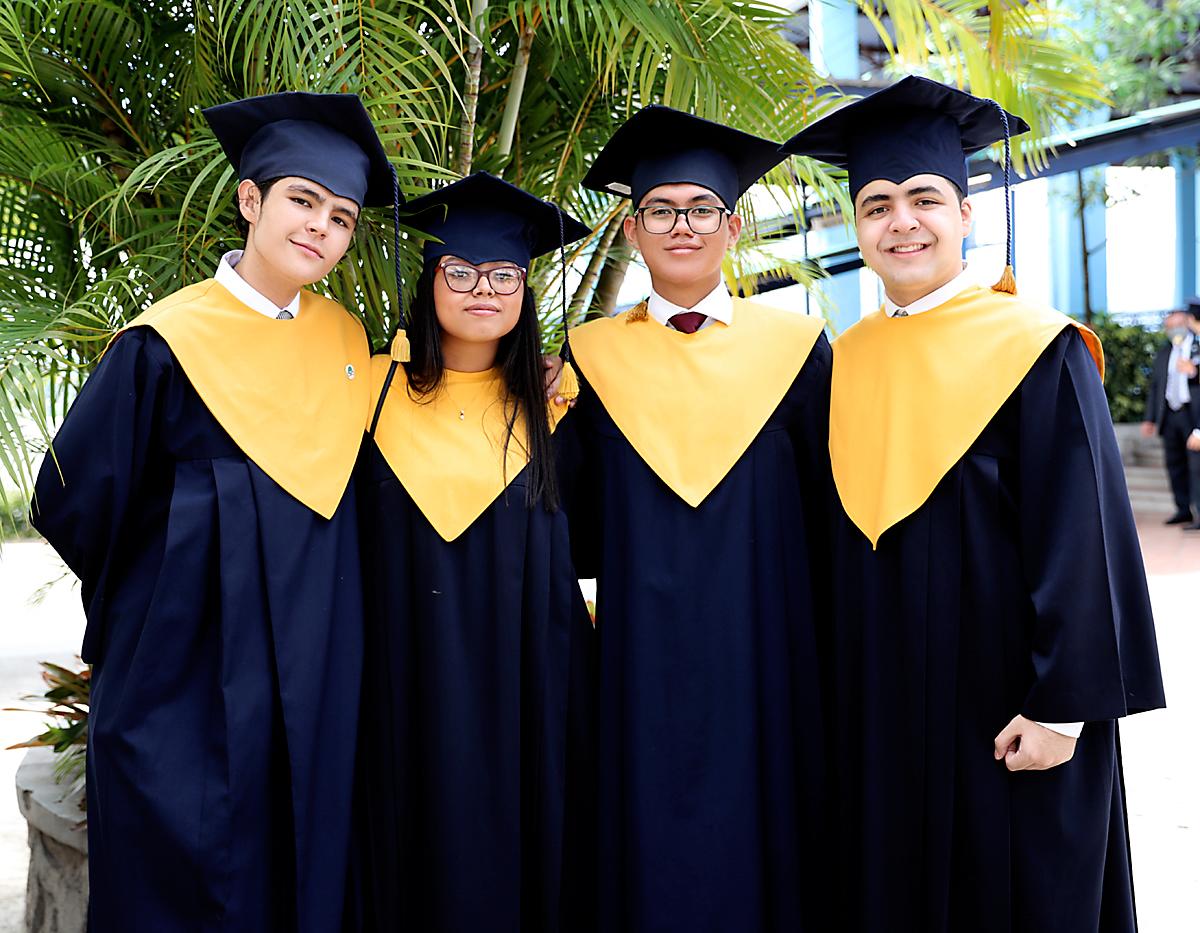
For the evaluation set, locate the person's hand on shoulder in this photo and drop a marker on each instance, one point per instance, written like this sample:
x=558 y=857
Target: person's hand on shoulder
x=553 y=377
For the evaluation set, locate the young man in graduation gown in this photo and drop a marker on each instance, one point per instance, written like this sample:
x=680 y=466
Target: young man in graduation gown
x=704 y=421
x=478 y=642
x=992 y=618
x=200 y=488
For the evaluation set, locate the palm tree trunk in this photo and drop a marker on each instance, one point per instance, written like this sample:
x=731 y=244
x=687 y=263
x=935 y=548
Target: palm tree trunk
x=516 y=87
x=604 y=302
x=466 y=131
x=594 y=264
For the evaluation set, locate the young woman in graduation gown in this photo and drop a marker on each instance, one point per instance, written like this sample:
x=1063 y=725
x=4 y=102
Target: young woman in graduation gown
x=200 y=487
x=477 y=633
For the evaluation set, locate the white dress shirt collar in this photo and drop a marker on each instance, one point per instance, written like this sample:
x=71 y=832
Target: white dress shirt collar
x=244 y=292
x=939 y=296
x=717 y=305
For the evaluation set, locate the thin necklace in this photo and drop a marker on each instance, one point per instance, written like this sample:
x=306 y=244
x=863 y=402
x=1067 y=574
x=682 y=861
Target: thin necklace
x=481 y=388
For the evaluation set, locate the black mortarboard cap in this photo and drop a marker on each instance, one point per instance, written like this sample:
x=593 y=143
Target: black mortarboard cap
x=326 y=138
x=1193 y=307
x=914 y=127
x=482 y=218
x=661 y=146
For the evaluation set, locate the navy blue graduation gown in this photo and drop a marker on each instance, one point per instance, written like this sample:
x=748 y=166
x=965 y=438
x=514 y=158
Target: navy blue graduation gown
x=475 y=698
x=224 y=629
x=1018 y=587
x=710 y=755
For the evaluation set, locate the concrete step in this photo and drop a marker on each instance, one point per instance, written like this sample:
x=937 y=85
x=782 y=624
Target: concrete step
x=1149 y=452
x=1137 y=450
x=1152 y=504
x=1148 y=478
x=1149 y=489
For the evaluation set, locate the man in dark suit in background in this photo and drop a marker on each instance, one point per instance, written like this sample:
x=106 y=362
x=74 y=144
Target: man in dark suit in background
x=1173 y=410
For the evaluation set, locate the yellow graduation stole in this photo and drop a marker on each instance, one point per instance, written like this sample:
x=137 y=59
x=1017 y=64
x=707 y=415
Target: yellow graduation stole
x=910 y=395
x=292 y=394
x=691 y=404
x=447 y=448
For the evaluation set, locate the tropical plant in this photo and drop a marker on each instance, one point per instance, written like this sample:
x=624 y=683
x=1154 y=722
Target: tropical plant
x=1148 y=47
x=113 y=192
x=66 y=701
x=1128 y=356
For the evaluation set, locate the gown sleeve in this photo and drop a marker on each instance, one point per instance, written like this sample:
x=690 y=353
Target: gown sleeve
x=578 y=482
x=1094 y=651
x=810 y=440
x=88 y=485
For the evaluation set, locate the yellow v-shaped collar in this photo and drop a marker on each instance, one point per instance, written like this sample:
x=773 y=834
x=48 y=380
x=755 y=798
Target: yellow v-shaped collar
x=691 y=404
x=293 y=395
x=910 y=395
x=447 y=448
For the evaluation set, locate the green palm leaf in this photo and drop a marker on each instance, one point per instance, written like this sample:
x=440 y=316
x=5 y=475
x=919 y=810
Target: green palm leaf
x=113 y=191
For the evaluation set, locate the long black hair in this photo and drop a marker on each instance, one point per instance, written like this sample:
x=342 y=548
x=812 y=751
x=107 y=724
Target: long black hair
x=519 y=359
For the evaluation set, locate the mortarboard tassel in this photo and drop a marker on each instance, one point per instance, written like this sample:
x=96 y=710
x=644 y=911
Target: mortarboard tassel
x=568 y=380
x=1008 y=279
x=401 y=350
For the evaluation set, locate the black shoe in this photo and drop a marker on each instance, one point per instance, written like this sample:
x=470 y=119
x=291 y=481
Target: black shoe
x=1193 y=526
x=1179 y=518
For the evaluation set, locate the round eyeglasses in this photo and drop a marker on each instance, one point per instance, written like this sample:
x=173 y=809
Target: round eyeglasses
x=463 y=277
x=702 y=219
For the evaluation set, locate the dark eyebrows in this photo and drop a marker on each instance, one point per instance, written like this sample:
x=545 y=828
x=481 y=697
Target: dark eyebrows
x=704 y=198
x=321 y=199
x=910 y=193
x=304 y=189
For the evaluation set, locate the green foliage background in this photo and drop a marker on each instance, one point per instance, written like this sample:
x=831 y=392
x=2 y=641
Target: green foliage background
x=1128 y=356
x=113 y=193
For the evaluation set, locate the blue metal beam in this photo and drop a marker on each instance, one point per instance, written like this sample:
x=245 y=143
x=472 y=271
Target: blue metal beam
x=1105 y=143
x=1187 y=282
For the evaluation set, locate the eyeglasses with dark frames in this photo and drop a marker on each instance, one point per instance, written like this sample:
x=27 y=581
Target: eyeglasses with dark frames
x=702 y=219
x=463 y=277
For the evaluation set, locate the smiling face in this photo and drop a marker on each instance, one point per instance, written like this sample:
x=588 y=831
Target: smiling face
x=911 y=234
x=298 y=233
x=683 y=264
x=475 y=319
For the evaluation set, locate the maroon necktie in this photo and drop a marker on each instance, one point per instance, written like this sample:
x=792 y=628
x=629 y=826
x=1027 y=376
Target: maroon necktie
x=687 y=321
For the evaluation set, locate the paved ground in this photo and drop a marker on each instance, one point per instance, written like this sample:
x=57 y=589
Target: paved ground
x=1162 y=755
x=47 y=631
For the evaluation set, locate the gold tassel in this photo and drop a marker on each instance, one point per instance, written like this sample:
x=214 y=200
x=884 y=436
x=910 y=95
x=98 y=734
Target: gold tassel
x=401 y=351
x=568 y=383
x=1007 y=283
x=637 y=313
